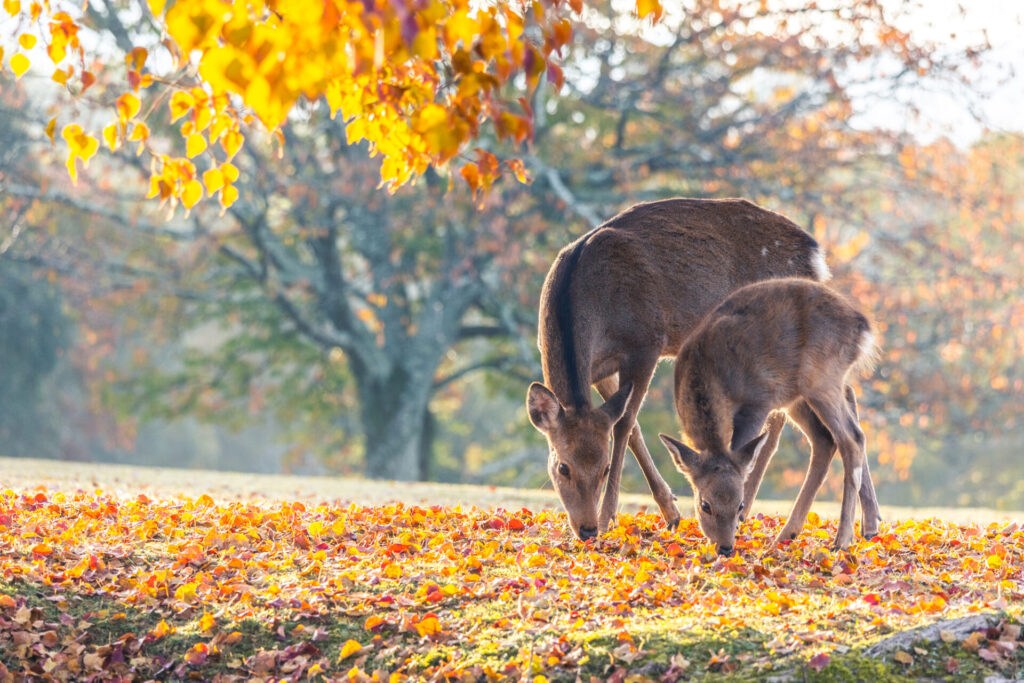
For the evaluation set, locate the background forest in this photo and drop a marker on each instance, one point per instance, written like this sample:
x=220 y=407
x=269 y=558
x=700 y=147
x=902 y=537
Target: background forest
x=324 y=324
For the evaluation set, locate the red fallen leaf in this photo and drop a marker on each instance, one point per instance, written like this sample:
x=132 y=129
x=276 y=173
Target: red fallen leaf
x=952 y=665
x=42 y=549
x=397 y=548
x=197 y=655
x=516 y=524
x=819 y=661
x=988 y=655
x=496 y=523
x=872 y=598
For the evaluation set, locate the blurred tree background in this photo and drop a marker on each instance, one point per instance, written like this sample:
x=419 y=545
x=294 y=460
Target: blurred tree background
x=322 y=324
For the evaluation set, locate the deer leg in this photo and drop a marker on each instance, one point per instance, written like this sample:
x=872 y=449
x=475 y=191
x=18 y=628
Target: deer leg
x=870 y=515
x=823 y=447
x=834 y=413
x=746 y=425
x=628 y=431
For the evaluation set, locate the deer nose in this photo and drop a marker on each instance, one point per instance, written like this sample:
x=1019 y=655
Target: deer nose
x=588 y=532
x=725 y=550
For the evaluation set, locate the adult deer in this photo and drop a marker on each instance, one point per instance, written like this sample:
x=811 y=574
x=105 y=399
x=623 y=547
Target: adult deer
x=619 y=298
x=782 y=344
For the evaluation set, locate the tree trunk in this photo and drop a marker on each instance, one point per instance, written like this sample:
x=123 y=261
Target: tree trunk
x=393 y=418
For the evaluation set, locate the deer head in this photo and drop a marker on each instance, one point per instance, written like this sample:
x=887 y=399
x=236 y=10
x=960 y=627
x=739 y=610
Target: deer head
x=717 y=482
x=578 y=450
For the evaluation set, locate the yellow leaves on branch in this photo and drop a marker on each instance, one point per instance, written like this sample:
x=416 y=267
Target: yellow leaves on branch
x=415 y=80
x=80 y=145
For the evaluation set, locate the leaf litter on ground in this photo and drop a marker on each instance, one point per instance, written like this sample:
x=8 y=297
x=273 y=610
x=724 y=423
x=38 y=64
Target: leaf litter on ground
x=95 y=585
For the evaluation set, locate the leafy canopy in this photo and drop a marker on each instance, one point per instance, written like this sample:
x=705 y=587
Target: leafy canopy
x=416 y=79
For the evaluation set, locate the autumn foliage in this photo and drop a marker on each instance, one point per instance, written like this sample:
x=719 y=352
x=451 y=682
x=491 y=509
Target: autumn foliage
x=96 y=585
x=417 y=80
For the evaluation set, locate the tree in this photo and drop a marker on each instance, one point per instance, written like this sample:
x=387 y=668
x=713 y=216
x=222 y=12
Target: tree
x=345 y=311
x=743 y=100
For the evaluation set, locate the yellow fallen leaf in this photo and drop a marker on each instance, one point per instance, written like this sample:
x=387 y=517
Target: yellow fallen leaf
x=349 y=648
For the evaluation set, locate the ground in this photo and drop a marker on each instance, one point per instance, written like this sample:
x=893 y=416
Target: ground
x=161 y=574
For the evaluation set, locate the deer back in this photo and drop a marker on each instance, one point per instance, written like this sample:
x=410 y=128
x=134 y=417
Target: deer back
x=639 y=283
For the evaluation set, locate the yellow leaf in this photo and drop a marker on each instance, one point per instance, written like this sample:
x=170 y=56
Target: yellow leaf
x=428 y=626
x=27 y=41
x=50 y=128
x=646 y=7
x=140 y=132
x=195 y=145
x=12 y=6
x=181 y=103
x=431 y=116
x=230 y=172
x=60 y=76
x=903 y=657
x=82 y=145
x=231 y=142
x=191 y=194
x=110 y=135
x=349 y=648
x=127 y=106
x=186 y=592
x=19 y=65
x=213 y=180
x=228 y=196
x=160 y=630
x=207 y=622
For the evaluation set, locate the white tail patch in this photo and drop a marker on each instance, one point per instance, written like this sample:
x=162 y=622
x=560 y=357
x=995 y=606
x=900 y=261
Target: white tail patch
x=818 y=265
x=869 y=353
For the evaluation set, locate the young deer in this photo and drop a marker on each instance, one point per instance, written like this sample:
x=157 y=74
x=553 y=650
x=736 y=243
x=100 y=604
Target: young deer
x=781 y=344
x=618 y=299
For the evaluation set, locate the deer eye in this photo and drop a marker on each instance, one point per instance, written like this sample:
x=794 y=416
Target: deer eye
x=705 y=507
x=741 y=507
x=563 y=469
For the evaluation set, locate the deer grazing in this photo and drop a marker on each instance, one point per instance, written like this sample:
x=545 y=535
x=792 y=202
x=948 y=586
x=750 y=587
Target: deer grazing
x=780 y=344
x=617 y=300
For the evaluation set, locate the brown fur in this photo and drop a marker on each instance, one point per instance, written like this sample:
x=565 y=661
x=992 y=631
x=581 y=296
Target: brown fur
x=781 y=344
x=621 y=297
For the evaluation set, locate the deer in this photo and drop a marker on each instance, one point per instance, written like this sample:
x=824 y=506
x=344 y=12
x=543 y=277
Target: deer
x=788 y=344
x=615 y=302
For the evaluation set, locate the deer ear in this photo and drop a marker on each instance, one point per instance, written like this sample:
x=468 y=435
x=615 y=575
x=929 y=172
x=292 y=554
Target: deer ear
x=616 y=403
x=746 y=456
x=543 y=407
x=685 y=458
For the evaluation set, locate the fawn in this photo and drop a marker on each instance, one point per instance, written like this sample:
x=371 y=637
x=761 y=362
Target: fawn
x=786 y=344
